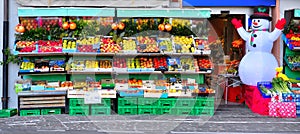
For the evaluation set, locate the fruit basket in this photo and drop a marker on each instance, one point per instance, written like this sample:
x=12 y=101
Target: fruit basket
x=29 y=23
x=187 y=64
x=27 y=66
x=57 y=65
x=89 y=44
x=184 y=44
x=160 y=64
x=201 y=45
x=292 y=42
x=165 y=45
x=133 y=65
x=77 y=65
x=293 y=62
x=48 y=22
x=41 y=65
x=105 y=65
x=49 y=46
x=119 y=64
x=108 y=45
x=68 y=45
x=25 y=47
x=92 y=65
x=204 y=65
x=263 y=87
x=129 y=45
x=146 y=64
x=147 y=44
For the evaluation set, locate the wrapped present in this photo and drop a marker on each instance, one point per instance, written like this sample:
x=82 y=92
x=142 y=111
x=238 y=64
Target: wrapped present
x=282 y=109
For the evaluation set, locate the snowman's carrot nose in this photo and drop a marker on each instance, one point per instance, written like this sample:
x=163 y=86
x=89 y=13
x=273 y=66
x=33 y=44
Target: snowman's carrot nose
x=255 y=23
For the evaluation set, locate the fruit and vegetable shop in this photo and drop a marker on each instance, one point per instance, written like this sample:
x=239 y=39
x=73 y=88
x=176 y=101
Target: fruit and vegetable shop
x=156 y=60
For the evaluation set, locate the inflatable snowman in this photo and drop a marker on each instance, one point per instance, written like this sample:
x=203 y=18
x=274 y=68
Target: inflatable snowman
x=259 y=63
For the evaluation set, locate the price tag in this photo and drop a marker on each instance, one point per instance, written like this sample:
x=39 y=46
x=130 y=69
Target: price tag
x=92 y=97
x=96 y=46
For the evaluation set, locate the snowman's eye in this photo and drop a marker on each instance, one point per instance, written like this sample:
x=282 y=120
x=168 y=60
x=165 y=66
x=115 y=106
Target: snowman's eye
x=258 y=20
x=254 y=20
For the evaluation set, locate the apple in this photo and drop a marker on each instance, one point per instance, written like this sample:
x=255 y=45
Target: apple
x=168 y=27
x=20 y=28
x=114 y=26
x=121 y=25
x=65 y=25
x=161 y=27
x=72 y=25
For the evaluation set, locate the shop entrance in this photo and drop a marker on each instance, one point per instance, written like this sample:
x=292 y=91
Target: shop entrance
x=234 y=49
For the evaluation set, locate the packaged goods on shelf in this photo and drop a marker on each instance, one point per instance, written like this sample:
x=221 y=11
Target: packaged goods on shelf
x=76 y=65
x=22 y=85
x=38 y=85
x=53 y=85
x=187 y=64
x=147 y=44
x=92 y=65
x=65 y=85
x=57 y=65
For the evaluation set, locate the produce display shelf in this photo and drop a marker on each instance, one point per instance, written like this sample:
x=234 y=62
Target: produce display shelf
x=91 y=54
x=290 y=46
x=88 y=72
x=291 y=66
x=41 y=73
x=41 y=93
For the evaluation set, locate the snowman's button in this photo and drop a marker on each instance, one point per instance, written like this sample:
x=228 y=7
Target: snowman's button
x=254 y=45
x=254 y=35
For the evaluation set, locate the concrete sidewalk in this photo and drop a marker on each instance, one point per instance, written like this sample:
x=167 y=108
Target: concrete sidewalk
x=228 y=119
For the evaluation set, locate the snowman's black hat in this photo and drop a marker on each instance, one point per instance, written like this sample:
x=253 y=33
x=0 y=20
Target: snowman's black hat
x=261 y=12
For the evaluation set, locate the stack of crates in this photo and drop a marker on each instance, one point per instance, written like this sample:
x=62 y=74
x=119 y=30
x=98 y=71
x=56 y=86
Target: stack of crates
x=291 y=97
x=104 y=108
x=127 y=106
x=172 y=106
x=35 y=112
x=77 y=107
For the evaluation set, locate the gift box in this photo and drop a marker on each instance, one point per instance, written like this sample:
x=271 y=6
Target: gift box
x=282 y=109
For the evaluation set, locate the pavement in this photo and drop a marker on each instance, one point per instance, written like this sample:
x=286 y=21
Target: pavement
x=228 y=119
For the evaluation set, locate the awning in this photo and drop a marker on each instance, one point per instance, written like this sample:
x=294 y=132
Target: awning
x=31 y=12
x=230 y=3
x=297 y=13
x=94 y=3
x=166 y=12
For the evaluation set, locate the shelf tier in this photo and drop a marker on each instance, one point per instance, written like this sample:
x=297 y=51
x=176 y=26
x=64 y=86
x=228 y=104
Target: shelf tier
x=109 y=54
x=110 y=72
x=41 y=54
x=42 y=73
x=41 y=93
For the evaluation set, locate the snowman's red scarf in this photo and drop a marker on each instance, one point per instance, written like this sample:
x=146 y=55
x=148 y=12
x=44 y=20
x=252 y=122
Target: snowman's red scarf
x=252 y=34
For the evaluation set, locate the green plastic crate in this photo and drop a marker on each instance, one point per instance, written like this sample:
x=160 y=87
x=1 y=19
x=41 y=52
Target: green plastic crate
x=105 y=103
x=127 y=110
x=181 y=111
x=76 y=102
x=185 y=102
x=33 y=112
x=148 y=101
x=127 y=101
x=100 y=111
x=167 y=102
x=205 y=102
x=79 y=111
x=50 y=111
x=207 y=111
x=163 y=110
x=152 y=110
x=4 y=113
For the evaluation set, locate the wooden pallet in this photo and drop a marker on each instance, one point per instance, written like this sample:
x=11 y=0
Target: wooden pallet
x=42 y=102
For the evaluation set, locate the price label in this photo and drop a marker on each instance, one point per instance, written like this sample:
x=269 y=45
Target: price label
x=96 y=46
x=92 y=97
